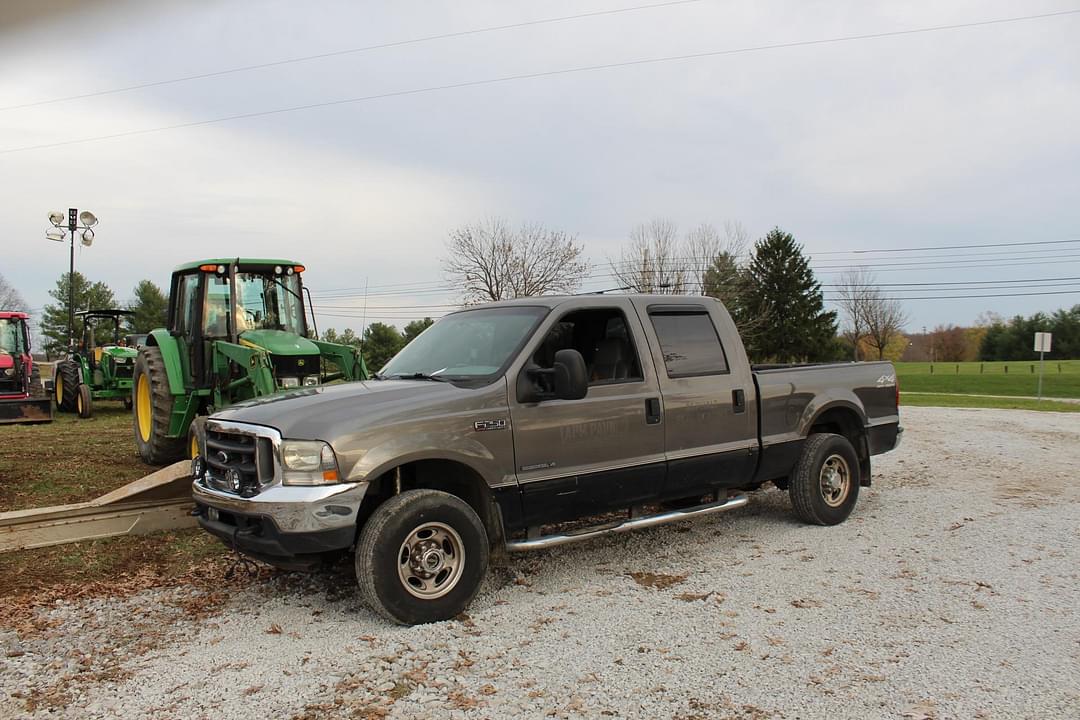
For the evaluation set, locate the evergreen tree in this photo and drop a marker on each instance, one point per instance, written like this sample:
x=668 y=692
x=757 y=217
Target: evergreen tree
x=415 y=328
x=381 y=342
x=781 y=289
x=88 y=296
x=150 y=306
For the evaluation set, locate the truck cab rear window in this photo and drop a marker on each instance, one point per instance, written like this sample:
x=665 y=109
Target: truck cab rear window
x=689 y=343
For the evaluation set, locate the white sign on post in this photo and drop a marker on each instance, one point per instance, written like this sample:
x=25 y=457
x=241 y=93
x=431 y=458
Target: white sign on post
x=1042 y=346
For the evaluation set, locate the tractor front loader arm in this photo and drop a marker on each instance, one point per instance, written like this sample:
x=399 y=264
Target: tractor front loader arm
x=347 y=358
x=257 y=379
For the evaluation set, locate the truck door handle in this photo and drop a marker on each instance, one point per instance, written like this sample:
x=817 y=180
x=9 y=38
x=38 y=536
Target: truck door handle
x=738 y=400
x=652 y=411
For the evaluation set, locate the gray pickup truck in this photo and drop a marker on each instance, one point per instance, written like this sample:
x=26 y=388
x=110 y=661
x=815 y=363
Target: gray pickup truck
x=508 y=426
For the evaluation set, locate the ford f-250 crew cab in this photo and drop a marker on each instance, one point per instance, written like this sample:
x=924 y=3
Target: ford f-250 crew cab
x=502 y=421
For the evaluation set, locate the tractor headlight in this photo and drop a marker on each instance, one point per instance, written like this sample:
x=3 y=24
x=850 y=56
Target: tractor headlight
x=289 y=382
x=9 y=371
x=308 y=462
x=311 y=380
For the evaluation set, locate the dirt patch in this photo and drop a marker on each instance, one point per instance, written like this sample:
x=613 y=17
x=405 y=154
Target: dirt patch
x=68 y=460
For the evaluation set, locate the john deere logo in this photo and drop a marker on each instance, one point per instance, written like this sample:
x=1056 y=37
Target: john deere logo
x=300 y=362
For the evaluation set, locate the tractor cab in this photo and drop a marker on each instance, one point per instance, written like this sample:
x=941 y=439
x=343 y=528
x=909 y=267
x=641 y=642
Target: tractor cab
x=101 y=367
x=253 y=304
x=237 y=329
x=22 y=396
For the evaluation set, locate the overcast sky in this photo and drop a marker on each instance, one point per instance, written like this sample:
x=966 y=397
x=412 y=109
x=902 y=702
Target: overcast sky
x=967 y=136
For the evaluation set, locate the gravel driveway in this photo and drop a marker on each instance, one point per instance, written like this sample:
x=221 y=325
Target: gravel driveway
x=951 y=592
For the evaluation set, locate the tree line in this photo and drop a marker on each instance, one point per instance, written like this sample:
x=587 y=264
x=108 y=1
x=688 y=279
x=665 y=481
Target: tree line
x=148 y=302
x=1015 y=339
x=769 y=288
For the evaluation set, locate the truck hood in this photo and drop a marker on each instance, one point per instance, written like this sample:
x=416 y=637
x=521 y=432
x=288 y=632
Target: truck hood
x=322 y=413
x=279 y=342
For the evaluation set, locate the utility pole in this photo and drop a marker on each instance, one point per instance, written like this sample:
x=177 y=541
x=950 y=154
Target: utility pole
x=59 y=233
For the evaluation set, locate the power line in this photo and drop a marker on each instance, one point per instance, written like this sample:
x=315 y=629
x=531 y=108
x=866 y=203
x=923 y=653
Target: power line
x=350 y=51
x=536 y=75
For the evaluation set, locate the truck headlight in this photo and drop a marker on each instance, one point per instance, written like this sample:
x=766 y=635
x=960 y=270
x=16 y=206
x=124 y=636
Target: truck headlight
x=289 y=382
x=308 y=462
x=311 y=380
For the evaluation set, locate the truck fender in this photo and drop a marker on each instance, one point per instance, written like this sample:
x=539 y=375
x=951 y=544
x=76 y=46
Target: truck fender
x=403 y=450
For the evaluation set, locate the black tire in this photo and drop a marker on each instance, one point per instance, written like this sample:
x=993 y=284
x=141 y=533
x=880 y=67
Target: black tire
x=67 y=385
x=84 y=402
x=821 y=497
x=128 y=404
x=158 y=448
x=383 y=538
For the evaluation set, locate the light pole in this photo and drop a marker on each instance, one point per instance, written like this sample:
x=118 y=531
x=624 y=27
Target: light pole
x=59 y=233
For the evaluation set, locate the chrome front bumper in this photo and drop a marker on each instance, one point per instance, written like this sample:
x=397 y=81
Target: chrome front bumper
x=293 y=509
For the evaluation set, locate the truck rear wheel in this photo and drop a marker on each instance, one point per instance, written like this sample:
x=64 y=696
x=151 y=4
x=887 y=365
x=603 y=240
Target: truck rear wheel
x=421 y=557
x=153 y=406
x=824 y=485
x=66 y=385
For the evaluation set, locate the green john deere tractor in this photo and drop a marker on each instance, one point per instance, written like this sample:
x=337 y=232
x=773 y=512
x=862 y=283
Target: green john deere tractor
x=237 y=330
x=96 y=370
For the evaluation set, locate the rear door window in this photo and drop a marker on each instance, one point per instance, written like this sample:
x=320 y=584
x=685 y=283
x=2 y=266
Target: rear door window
x=689 y=343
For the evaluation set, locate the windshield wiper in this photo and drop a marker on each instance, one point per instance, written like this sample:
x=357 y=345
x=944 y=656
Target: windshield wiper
x=418 y=376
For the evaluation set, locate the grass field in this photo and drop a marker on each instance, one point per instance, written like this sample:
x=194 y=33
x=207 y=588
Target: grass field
x=69 y=460
x=991 y=378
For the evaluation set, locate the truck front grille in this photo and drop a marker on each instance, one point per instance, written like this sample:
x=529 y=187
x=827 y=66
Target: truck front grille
x=238 y=463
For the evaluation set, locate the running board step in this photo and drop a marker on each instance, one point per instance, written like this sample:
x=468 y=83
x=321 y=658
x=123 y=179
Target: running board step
x=550 y=541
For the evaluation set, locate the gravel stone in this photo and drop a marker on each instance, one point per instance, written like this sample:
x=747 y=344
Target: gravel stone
x=950 y=592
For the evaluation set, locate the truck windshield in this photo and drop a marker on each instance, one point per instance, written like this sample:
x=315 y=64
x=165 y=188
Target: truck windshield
x=470 y=344
x=263 y=302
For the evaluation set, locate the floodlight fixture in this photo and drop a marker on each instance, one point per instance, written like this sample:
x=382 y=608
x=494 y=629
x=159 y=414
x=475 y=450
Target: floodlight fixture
x=56 y=218
x=57 y=234
x=88 y=218
x=87 y=237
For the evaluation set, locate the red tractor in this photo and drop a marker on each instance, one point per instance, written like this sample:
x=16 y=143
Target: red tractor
x=22 y=397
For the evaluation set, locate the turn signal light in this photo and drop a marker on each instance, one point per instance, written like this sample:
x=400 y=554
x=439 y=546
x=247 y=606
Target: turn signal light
x=299 y=268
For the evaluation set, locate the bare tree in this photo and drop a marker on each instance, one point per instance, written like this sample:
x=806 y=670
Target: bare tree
x=10 y=299
x=857 y=295
x=653 y=261
x=491 y=261
x=885 y=319
x=705 y=244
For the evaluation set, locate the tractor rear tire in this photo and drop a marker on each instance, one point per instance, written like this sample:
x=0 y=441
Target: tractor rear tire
x=66 y=385
x=153 y=406
x=84 y=402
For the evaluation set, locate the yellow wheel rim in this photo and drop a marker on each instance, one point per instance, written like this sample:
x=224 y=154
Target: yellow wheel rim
x=78 y=403
x=142 y=408
x=59 y=389
x=194 y=452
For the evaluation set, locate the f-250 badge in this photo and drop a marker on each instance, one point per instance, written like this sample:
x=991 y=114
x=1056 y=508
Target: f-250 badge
x=481 y=425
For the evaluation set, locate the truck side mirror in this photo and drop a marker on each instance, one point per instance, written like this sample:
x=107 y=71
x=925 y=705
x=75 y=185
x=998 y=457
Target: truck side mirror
x=571 y=377
x=567 y=379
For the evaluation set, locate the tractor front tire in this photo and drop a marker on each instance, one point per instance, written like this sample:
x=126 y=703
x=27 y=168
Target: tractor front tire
x=84 y=402
x=66 y=385
x=153 y=406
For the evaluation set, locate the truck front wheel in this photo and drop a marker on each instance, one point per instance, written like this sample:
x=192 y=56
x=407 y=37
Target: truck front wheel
x=421 y=557
x=824 y=485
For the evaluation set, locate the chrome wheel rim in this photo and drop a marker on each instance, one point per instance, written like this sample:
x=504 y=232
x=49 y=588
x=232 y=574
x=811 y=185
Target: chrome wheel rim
x=431 y=560
x=835 y=479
